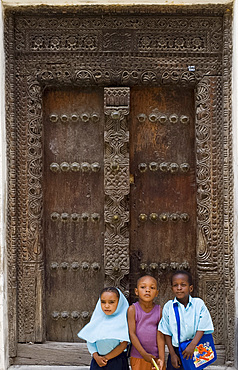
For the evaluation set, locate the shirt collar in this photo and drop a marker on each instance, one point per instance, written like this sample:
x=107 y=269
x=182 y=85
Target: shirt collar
x=190 y=301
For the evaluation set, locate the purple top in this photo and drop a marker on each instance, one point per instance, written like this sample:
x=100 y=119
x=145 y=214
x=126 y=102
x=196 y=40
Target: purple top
x=146 y=330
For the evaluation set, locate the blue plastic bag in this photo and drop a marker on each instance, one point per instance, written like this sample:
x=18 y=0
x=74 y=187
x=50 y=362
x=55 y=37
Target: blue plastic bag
x=204 y=353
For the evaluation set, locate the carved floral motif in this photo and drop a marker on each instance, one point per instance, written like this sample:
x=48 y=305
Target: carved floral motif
x=116 y=185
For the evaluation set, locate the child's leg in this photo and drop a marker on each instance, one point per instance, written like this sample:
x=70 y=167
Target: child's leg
x=94 y=365
x=139 y=364
x=169 y=364
x=118 y=363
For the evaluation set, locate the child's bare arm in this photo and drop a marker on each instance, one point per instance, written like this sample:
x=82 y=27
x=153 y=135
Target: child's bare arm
x=116 y=351
x=134 y=339
x=100 y=360
x=189 y=350
x=161 y=348
x=175 y=360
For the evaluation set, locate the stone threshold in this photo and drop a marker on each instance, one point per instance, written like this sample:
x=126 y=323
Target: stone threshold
x=42 y=367
x=64 y=355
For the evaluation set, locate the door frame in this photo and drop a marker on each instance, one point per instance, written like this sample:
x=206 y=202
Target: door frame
x=36 y=60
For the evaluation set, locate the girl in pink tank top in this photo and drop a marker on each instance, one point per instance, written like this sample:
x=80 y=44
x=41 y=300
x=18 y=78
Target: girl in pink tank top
x=143 y=319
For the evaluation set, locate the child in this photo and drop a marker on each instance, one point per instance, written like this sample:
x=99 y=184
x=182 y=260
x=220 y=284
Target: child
x=195 y=319
x=107 y=332
x=143 y=319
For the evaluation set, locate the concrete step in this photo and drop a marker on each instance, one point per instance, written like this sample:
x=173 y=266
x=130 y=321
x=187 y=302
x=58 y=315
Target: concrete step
x=39 y=367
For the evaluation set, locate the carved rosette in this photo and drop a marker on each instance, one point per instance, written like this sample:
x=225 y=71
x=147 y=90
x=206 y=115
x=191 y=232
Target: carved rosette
x=116 y=185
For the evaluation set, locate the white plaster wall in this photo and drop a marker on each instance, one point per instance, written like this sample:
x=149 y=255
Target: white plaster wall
x=3 y=292
x=235 y=152
x=3 y=262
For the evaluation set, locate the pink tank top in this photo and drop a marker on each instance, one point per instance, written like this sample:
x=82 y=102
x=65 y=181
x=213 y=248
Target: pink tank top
x=146 y=330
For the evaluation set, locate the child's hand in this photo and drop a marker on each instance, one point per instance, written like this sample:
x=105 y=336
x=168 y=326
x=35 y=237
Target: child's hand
x=148 y=357
x=188 y=352
x=100 y=360
x=175 y=360
x=160 y=364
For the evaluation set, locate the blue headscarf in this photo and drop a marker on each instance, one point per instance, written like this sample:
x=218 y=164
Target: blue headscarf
x=102 y=326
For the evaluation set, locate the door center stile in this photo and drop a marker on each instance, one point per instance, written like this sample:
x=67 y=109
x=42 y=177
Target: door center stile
x=116 y=187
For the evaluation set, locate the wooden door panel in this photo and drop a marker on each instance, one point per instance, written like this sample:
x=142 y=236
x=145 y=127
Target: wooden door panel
x=163 y=196
x=73 y=208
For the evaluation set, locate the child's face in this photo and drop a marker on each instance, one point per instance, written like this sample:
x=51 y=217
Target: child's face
x=147 y=288
x=109 y=302
x=181 y=288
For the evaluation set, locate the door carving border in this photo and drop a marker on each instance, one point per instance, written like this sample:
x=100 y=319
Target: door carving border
x=37 y=59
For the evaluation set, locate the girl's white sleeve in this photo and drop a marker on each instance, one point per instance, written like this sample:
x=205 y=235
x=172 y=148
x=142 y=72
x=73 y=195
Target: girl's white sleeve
x=92 y=347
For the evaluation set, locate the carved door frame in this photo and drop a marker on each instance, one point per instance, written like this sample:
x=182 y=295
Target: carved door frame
x=37 y=58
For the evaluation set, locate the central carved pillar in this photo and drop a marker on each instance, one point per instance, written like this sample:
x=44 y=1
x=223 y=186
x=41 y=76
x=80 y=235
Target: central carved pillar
x=117 y=186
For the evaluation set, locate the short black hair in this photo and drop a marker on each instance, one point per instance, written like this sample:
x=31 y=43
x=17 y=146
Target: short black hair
x=183 y=272
x=138 y=280
x=110 y=289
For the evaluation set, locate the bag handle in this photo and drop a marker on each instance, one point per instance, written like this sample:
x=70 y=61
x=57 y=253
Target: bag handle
x=175 y=306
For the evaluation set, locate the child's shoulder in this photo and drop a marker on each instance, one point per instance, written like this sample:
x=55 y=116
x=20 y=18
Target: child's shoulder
x=198 y=301
x=168 y=304
x=137 y=307
x=131 y=308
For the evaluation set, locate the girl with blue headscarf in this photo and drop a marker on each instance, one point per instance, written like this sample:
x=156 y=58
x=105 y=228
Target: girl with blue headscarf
x=107 y=333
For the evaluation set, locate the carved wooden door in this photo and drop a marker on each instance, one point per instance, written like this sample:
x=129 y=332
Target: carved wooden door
x=119 y=185
x=118 y=181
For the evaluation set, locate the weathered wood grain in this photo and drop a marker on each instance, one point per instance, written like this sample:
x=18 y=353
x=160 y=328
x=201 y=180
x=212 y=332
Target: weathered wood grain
x=52 y=353
x=162 y=192
x=74 y=246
